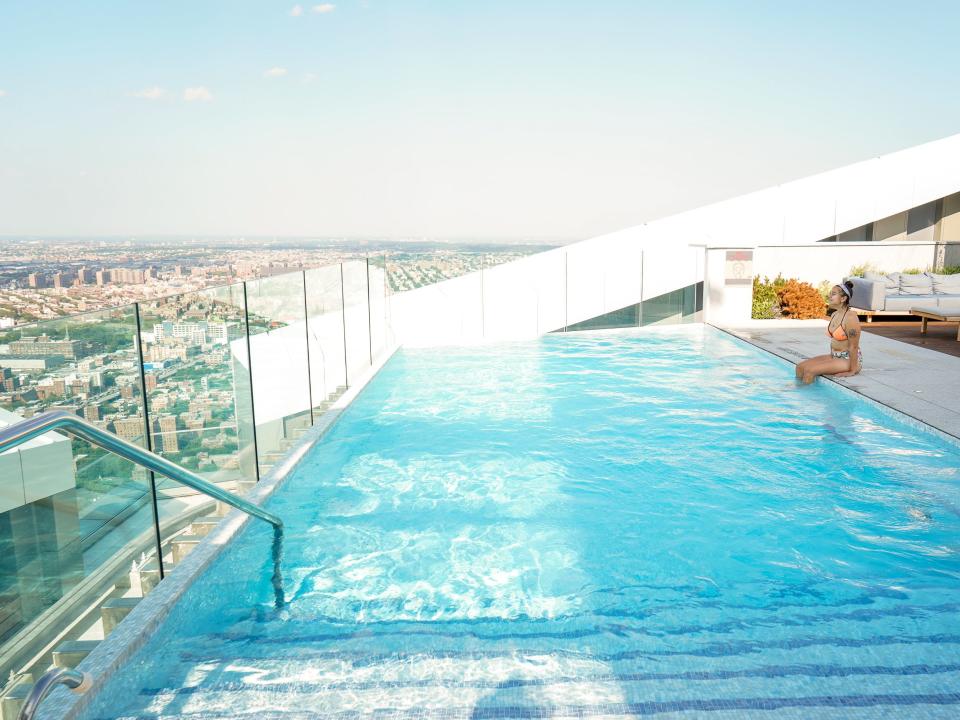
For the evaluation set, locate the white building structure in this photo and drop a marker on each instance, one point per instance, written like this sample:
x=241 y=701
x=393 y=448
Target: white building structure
x=901 y=207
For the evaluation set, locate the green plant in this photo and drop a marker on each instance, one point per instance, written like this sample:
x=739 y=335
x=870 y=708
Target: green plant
x=912 y=271
x=950 y=270
x=861 y=270
x=824 y=289
x=766 y=303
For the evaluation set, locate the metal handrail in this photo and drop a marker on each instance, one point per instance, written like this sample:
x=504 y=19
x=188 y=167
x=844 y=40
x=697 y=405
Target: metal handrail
x=79 y=682
x=30 y=428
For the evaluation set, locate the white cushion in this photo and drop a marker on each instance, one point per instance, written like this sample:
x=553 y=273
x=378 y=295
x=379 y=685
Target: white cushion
x=946 y=284
x=891 y=281
x=915 y=284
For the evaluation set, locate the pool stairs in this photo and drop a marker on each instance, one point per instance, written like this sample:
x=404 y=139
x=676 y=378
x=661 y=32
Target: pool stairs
x=795 y=660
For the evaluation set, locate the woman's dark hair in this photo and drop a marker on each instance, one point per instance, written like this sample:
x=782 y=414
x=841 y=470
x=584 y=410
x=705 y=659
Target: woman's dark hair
x=846 y=289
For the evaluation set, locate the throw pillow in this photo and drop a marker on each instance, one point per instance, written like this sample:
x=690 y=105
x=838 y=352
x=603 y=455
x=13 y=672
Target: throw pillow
x=946 y=284
x=921 y=284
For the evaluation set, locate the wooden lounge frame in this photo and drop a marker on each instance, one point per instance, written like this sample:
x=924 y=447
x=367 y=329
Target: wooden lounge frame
x=927 y=314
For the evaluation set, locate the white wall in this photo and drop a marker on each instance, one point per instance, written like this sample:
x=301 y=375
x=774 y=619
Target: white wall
x=547 y=291
x=833 y=261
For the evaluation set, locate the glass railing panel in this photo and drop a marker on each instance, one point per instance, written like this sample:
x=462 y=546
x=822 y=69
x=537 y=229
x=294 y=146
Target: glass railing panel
x=418 y=266
x=622 y=318
x=666 y=309
x=276 y=308
x=72 y=517
x=688 y=303
x=584 y=271
x=525 y=298
x=379 y=321
x=623 y=277
x=328 y=375
x=356 y=318
x=198 y=392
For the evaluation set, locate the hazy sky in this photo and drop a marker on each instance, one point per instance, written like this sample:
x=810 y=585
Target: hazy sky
x=446 y=118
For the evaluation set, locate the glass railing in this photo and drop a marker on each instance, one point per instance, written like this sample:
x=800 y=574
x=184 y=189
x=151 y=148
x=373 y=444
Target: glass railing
x=608 y=283
x=222 y=381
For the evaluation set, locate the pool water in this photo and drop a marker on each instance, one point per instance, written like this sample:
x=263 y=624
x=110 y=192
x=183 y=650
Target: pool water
x=658 y=522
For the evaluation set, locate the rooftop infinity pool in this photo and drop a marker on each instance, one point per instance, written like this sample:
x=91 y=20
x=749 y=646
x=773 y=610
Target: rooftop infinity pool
x=658 y=522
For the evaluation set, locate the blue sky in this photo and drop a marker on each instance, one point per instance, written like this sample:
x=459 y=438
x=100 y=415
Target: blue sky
x=457 y=119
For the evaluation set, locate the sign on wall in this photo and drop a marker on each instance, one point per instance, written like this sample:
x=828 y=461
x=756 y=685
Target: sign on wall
x=738 y=269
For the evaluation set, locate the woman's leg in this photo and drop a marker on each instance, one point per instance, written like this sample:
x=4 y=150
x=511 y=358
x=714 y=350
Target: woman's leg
x=804 y=364
x=828 y=365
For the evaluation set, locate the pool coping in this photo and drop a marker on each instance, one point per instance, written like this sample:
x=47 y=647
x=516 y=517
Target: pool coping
x=139 y=626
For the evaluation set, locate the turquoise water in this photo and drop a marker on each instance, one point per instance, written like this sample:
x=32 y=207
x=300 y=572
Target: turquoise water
x=653 y=523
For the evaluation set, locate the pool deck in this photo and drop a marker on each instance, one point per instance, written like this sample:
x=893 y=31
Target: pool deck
x=919 y=382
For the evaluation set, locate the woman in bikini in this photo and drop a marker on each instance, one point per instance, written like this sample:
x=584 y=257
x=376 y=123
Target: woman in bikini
x=843 y=329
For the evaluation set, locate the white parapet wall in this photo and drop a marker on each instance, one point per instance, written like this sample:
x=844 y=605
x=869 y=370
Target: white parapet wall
x=554 y=289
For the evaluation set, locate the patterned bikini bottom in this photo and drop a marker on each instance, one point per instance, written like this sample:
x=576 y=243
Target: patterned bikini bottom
x=845 y=355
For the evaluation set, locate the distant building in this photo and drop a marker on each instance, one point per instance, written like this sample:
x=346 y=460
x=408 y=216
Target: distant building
x=165 y=434
x=102 y=277
x=30 y=364
x=128 y=276
x=80 y=385
x=92 y=413
x=43 y=346
x=129 y=428
x=34 y=280
x=218 y=333
x=190 y=333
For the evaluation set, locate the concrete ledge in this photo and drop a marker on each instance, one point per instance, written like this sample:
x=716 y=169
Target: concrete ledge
x=915 y=381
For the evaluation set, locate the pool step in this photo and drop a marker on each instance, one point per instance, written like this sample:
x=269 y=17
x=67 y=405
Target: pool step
x=71 y=653
x=149 y=576
x=864 y=658
x=513 y=683
x=204 y=526
x=114 y=610
x=242 y=487
x=13 y=699
x=183 y=545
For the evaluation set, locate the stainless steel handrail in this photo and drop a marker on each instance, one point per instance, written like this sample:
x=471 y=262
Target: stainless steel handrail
x=77 y=681
x=21 y=432
x=30 y=428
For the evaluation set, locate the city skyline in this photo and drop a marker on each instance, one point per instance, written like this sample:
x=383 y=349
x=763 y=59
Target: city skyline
x=368 y=119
